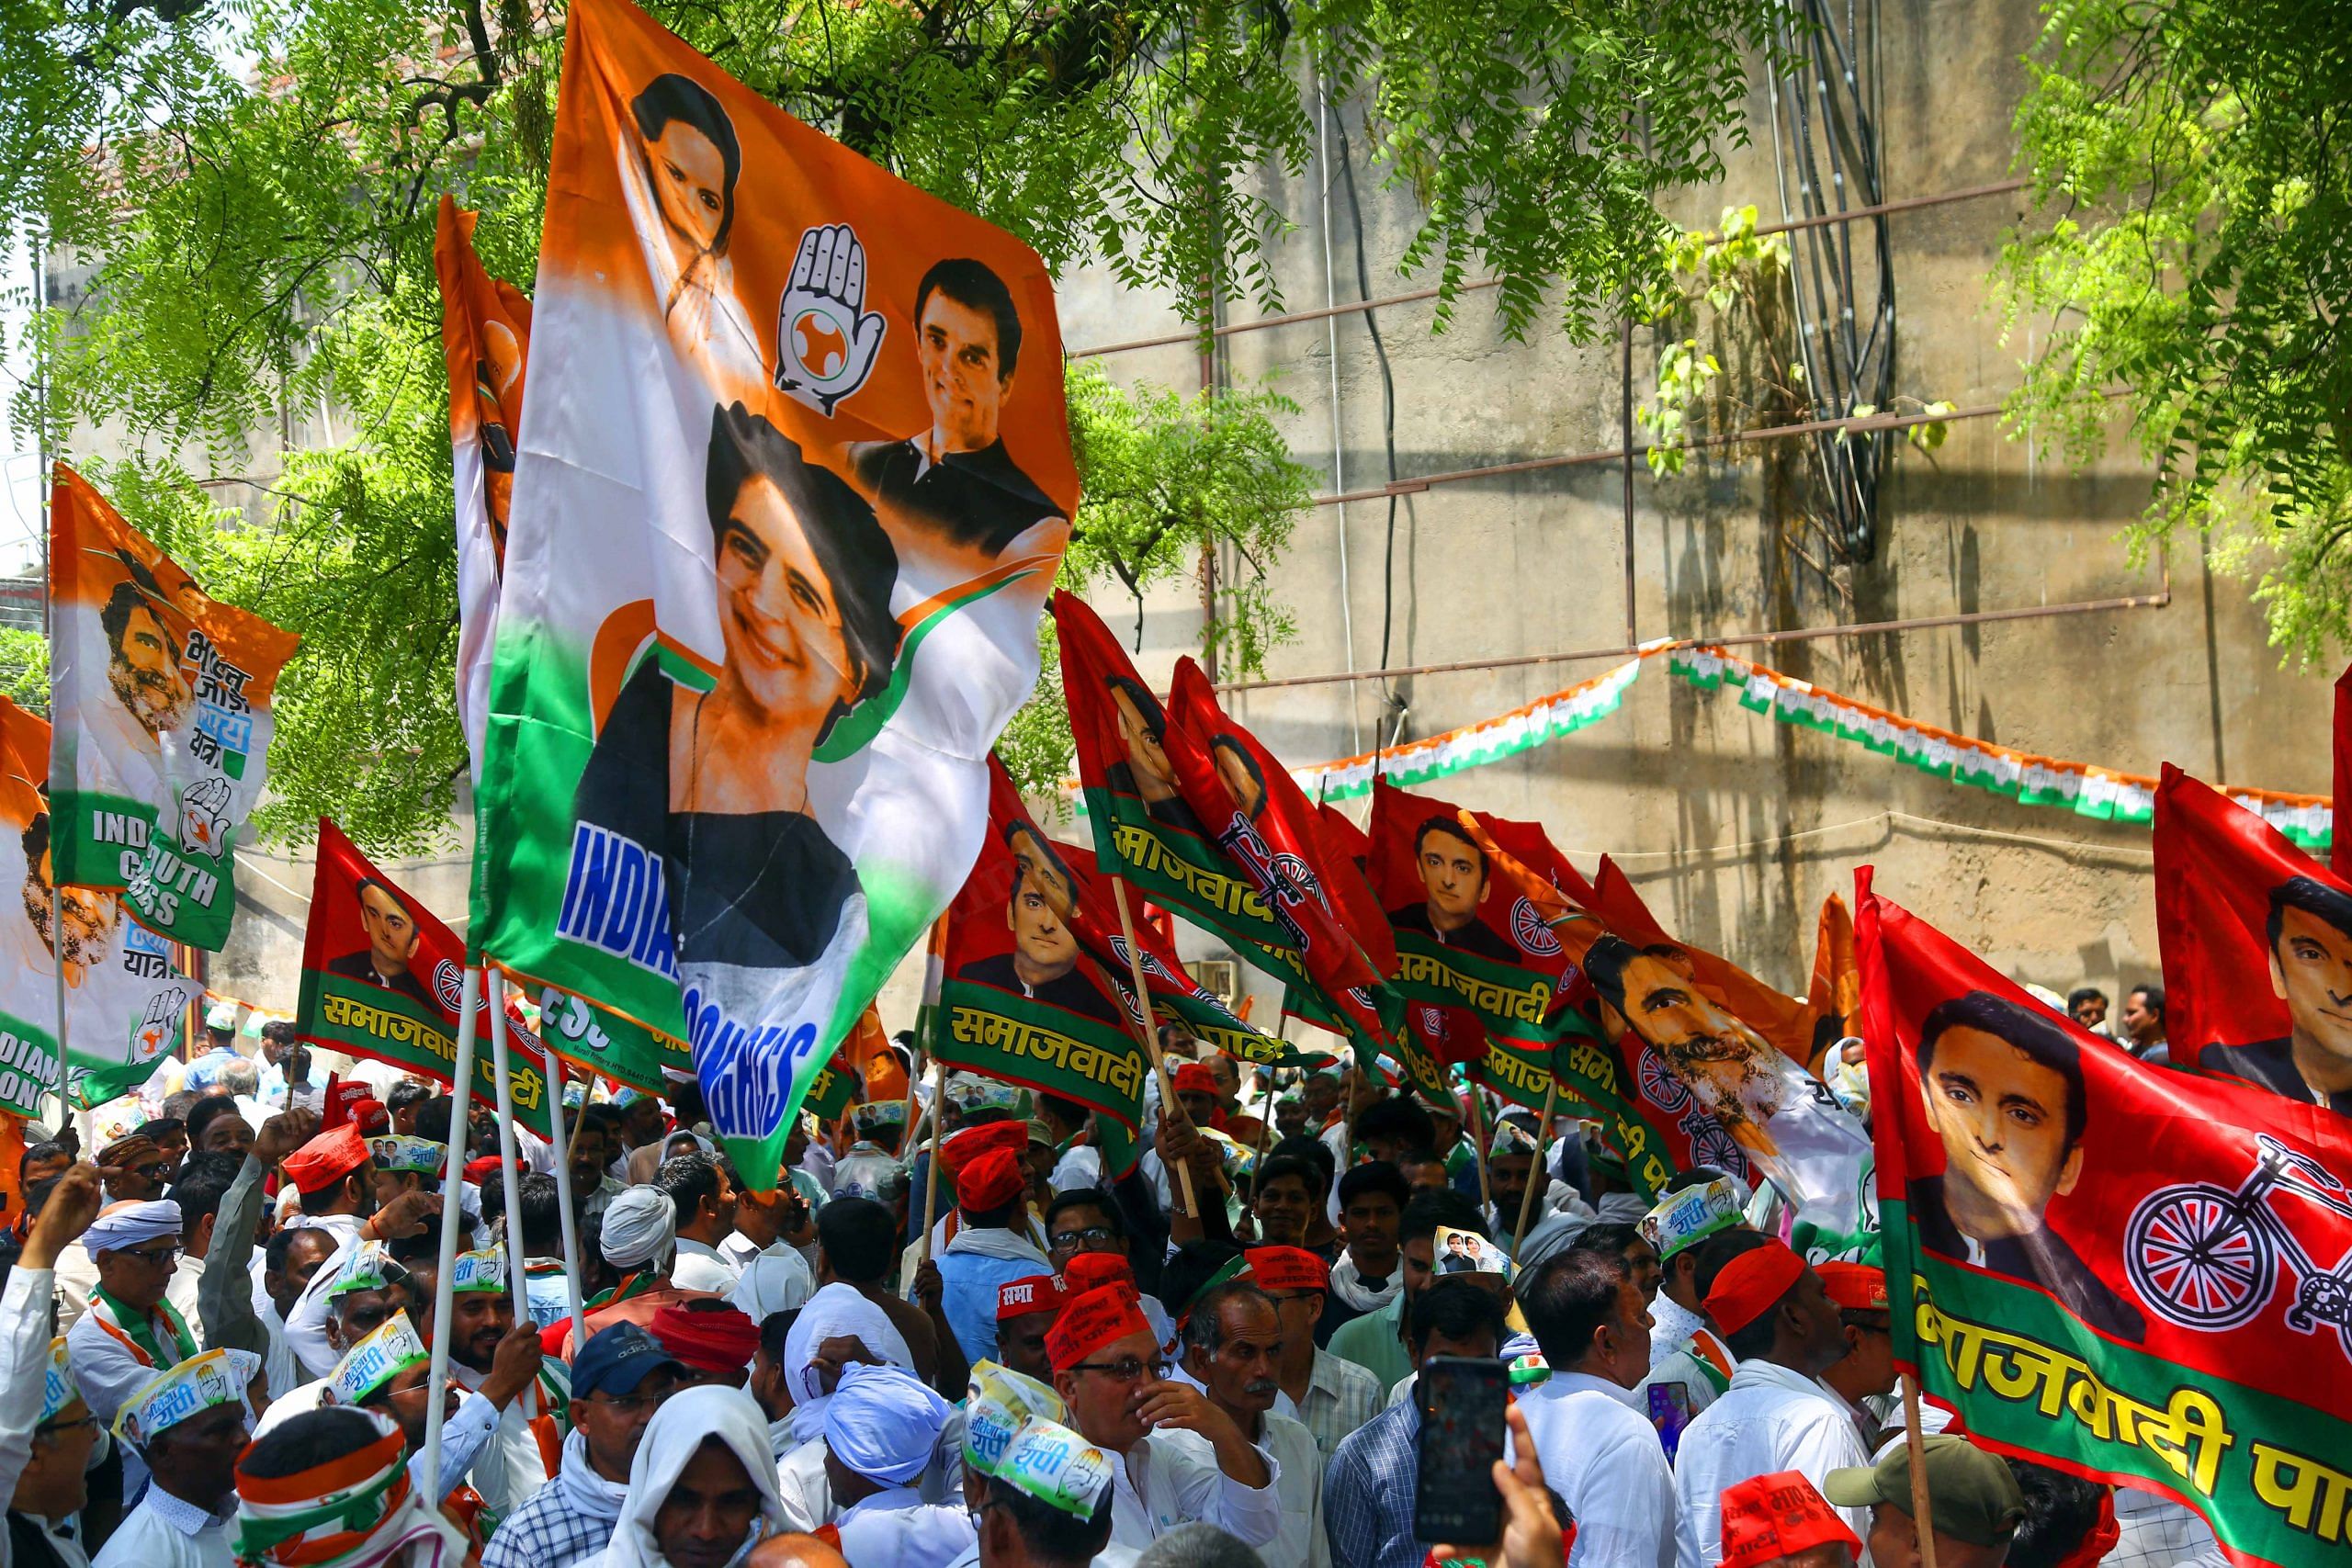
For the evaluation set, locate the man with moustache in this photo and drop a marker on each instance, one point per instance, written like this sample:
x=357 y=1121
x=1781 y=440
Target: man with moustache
x=152 y=696
x=1233 y=1345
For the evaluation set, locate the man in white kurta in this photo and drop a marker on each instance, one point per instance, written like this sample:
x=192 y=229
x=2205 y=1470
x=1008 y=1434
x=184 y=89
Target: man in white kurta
x=1776 y=1416
x=1233 y=1349
x=188 y=1424
x=1599 y=1451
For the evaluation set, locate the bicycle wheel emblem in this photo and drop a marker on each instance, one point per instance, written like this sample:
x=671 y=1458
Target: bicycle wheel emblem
x=2197 y=1258
x=1659 y=1085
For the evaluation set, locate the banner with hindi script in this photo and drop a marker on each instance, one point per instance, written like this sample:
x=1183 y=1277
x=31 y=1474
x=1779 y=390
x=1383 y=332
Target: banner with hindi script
x=161 y=698
x=124 y=1002
x=773 y=574
x=486 y=341
x=2135 y=1274
x=382 y=977
x=2257 y=942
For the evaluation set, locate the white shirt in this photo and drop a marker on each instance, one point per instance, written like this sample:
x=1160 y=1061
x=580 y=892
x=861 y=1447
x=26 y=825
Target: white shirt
x=1159 y=1486
x=699 y=1268
x=306 y=1325
x=1604 y=1459
x=23 y=1362
x=800 y=1481
x=2159 y=1533
x=510 y=1468
x=1079 y=1170
x=1301 y=1542
x=76 y=1278
x=897 y=1529
x=1770 y=1419
x=1671 y=1324
x=165 y=1532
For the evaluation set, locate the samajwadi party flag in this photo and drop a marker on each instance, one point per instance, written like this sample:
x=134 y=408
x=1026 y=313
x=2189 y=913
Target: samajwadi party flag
x=161 y=697
x=778 y=548
x=123 y=1000
x=2256 y=941
x=2134 y=1273
x=382 y=977
x=486 y=341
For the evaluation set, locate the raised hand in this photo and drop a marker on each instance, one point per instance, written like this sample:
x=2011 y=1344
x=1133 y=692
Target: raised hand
x=72 y=1203
x=826 y=340
x=203 y=817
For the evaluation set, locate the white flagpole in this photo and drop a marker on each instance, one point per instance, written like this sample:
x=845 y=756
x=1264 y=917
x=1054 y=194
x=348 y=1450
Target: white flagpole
x=452 y=1215
x=501 y=1076
x=553 y=1066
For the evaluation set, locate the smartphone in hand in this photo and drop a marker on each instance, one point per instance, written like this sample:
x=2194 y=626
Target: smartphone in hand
x=1461 y=1401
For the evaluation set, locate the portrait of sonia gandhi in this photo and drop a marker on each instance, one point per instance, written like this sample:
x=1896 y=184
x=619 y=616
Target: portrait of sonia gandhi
x=715 y=781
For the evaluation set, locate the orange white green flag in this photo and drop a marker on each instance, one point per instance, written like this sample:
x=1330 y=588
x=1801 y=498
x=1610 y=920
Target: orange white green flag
x=161 y=695
x=793 y=481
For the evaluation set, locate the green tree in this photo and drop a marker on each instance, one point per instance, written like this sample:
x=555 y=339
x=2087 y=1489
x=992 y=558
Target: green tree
x=2194 y=158
x=261 y=221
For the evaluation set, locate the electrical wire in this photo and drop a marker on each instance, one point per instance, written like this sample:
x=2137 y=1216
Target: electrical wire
x=1387 y=417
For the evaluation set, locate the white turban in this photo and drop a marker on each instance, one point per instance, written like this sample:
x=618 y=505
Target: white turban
x=640 y=1226
x=882 y=1423
x=130 y=1223
x=837 y=1311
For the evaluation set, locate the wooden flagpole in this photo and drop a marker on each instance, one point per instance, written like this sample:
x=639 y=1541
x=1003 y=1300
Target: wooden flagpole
x=1167 y=1103
x=1922 y=1513
x=1527 y=1200
x=1479 y=1131
x=931 y=1169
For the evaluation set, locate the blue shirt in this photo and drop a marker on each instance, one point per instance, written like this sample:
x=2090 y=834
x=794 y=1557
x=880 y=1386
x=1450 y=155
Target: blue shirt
x=1368 y=1492
x=971 y=1280
x=204 y=1073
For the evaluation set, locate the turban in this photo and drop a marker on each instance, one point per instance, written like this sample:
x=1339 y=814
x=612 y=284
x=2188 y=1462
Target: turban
x=640 y=1226
x=1093 y=1270
x=1090 y=1321
x=718 y=1339
x=359 y=1508
x=835 y=1311
x=1025 y=1298
x=1056 y=1466
x=1751 y=1284
x=180 y=1392
x=327 y=1158
x=1855 y=1287
x=1288 y=1269
x=687 y=1420
x=994 y=1179
x=1769 y=1517
x=1194 y=1078
x=127 y=1152
x=882 y=1423
x=130 y=1223
x=964 y=1147
x=999 y=1400
x=1692 y=1215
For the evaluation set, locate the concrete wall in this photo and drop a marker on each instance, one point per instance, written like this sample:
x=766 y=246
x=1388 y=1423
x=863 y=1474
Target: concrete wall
x=1733 y=827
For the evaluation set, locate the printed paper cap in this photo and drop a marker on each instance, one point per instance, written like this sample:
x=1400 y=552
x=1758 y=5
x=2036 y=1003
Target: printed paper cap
x=1768 y=1517
x=1286 y=1269
x=1090 y=1321
x=873 y=1114
x=366 y=1367
x=327 y=1158
x=369 y=1267
x=1751 y=1284
x=1685 y=1218
x=397 y=1151
x=1025 y=1298
x=998 y=1400
x=196 y=1385
x=58 y=1389
x=481 y=1271
x=1467 y=1252
x=222 y=1016
x=970 y=1091
x=1509 y=1139
x=1055 y=1465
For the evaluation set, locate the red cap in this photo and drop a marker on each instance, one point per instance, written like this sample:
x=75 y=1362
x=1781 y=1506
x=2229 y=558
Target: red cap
x=1093 y=1270
x=1767 y=1517
x=1090 y=1321
x=1856 y=1287
x=1751 y=1283
x=327 y=1158
x=1023 y=1298
x=1194 y=1078
x=993 y=1179
x=1288 y=1269
x=973 y=1141
x=482 y=1167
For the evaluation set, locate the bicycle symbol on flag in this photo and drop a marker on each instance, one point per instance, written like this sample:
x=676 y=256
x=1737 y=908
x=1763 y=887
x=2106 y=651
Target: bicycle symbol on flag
x=2203 y=1257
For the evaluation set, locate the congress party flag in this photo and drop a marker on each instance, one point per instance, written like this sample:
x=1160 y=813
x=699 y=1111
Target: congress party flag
x=776 y=556
x=123 y=999
x=2257 y=942
x=2135 y=1274
x=382 y=977
x=161 y=697
x=486 y=341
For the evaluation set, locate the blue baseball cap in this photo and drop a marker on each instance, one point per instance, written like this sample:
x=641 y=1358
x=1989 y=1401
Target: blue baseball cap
x=616 y=1360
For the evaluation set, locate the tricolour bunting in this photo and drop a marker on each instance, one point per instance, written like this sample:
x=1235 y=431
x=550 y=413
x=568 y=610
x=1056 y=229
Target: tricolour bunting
x=382 y=977
x=486 y=341
x=772 y=584
x=161 y=696
x=2257 y=942
x=123 y=1000
x=2136 y=1274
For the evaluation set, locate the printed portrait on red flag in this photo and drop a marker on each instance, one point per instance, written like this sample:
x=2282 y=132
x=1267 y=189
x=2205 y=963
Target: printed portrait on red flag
x=2256 y=938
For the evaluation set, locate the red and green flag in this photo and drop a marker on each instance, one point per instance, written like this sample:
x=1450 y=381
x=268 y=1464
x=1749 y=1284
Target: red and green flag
x=2137 y=1275
x=383 y=977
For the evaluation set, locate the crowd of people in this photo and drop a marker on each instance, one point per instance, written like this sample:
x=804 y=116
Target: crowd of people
x=215 y=1330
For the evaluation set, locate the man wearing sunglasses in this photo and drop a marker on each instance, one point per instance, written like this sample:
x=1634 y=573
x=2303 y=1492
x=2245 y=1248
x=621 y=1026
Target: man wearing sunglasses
x=1111 y=1373
x=619 y=1380
x=131 y=1334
